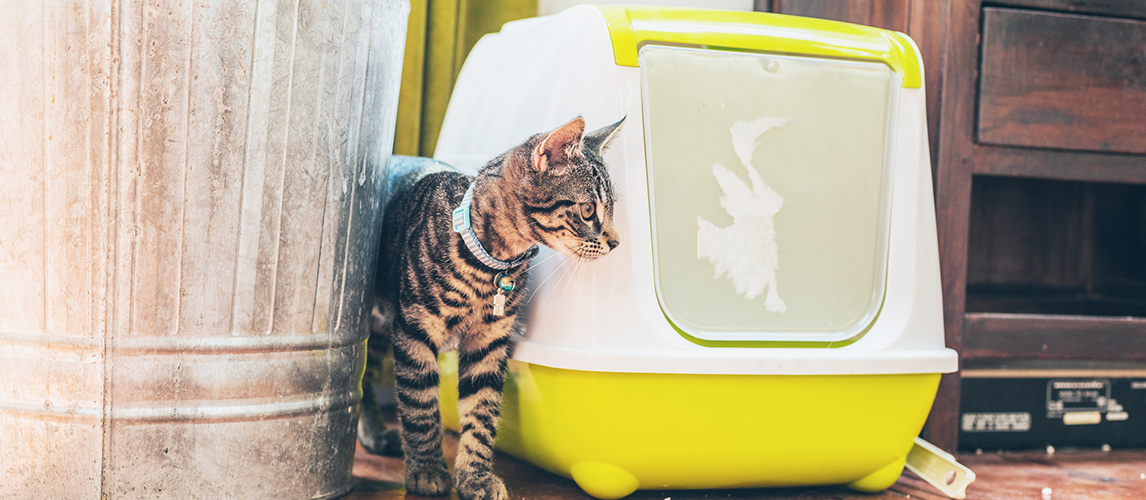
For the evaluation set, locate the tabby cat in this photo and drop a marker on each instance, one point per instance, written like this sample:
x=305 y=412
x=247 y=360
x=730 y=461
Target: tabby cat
x=455 y=258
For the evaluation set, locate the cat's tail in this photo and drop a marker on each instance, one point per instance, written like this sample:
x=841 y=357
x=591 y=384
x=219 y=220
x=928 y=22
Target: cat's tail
x=382 y=317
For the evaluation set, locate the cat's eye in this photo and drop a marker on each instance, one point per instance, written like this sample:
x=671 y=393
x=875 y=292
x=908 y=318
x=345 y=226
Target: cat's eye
x=587 y=210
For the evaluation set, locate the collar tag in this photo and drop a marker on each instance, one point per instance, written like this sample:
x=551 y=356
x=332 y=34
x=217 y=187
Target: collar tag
x=504 y=282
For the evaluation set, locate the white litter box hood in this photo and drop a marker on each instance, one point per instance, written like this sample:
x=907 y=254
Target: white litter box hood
x=713 y=137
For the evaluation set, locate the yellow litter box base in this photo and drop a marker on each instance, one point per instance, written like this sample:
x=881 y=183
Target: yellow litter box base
x=614 y=433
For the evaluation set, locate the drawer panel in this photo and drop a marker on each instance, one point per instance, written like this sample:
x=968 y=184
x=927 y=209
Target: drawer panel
x=1062 y=81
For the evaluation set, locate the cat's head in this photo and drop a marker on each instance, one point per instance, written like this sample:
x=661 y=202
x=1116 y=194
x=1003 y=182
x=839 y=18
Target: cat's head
x=567 y=195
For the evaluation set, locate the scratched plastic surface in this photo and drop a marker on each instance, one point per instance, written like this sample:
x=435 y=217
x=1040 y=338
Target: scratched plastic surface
x=189 y=199
x=822 y=170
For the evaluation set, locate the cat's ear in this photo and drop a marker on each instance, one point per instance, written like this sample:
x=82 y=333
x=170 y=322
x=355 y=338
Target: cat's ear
x=598 y=140
x=552 y=154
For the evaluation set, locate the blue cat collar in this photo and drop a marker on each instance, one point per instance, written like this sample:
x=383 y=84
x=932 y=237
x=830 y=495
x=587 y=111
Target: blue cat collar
x=461 y=224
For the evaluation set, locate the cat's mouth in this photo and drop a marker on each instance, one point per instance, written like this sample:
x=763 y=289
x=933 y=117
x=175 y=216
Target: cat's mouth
x=586 y=250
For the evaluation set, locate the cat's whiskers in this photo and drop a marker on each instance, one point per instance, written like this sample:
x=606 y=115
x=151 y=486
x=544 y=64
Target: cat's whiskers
x=533 y=285
x=577 y=250
x=534 y=264
x=584 y=255
x=578 y=265
x=571 y=264
x=537 y=287
x=581 y=273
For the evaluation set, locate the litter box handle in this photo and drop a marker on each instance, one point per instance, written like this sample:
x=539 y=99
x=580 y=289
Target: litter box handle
x=629 y=27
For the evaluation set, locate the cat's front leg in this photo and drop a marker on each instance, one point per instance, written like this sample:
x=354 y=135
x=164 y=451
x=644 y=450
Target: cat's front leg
x=482 y=358
x=416 y=374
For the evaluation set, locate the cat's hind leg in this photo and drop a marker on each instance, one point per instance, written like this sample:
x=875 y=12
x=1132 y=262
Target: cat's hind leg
x=373 y=432
x=416 y=373
x=482 y=359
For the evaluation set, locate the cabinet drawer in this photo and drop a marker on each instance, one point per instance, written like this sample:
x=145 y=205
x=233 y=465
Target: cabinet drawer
x=1062 y=81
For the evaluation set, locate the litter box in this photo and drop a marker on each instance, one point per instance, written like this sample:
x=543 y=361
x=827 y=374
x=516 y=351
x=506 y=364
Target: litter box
x=773 y=314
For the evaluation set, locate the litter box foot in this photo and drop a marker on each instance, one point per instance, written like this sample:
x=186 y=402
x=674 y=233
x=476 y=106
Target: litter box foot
x=604 y=481
x=881 y=479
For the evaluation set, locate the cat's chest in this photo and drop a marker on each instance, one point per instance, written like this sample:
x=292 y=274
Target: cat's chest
x=478 y=303
x=467 y=296
x=496 y=293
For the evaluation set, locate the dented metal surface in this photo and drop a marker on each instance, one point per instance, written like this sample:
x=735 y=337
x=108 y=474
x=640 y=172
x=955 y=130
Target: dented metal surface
x=189 y=194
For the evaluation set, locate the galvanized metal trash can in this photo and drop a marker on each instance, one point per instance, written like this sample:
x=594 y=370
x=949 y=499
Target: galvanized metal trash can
x=189 y=200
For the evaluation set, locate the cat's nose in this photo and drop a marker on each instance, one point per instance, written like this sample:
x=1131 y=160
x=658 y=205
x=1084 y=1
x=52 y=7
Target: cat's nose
x=612 y=243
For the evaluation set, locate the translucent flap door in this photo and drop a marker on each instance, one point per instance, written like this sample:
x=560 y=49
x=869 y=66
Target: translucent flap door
x=768 y=176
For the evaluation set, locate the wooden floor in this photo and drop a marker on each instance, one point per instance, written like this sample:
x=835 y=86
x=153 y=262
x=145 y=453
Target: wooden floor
x=1071 y=475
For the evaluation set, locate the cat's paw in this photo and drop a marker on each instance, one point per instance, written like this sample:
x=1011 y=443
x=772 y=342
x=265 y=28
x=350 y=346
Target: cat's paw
x=485 y=486
x=431 y=480
x=387 y=443
x=375 y=437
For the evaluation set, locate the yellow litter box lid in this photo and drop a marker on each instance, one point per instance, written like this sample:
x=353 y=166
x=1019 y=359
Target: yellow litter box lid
x=633 y=26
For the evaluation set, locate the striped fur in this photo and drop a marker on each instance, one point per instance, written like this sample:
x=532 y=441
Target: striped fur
x=552 y=189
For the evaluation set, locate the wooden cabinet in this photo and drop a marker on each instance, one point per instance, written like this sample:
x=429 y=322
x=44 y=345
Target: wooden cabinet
x=1037 y=121
x=1062 y=81
x=1039 y=186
